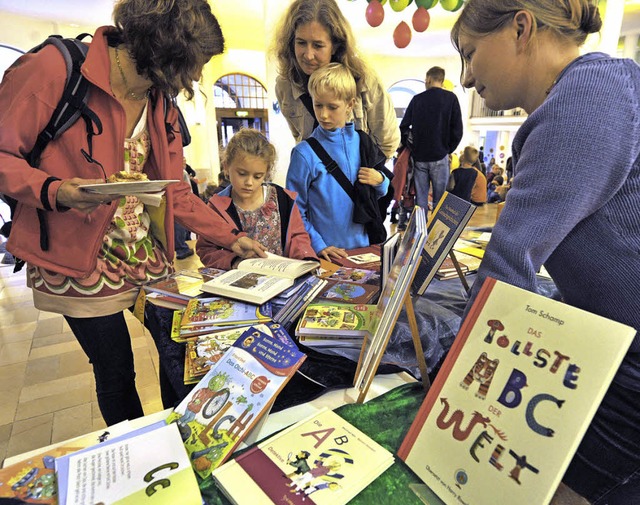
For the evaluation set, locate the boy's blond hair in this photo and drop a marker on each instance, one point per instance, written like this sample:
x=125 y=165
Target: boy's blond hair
x=470 y=155
x=335 y=78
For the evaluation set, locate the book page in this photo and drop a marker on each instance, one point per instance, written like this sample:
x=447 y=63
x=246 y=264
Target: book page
x=278 y=265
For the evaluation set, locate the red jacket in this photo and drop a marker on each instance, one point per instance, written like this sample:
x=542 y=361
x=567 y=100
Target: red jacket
x=29 y=93
x=296 y=241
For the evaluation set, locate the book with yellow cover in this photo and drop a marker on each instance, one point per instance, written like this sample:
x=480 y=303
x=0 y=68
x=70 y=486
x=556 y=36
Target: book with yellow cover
x=336 y=319
x=322 y=459
x=513 y=398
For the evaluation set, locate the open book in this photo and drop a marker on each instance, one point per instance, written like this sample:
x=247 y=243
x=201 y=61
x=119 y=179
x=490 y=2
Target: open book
x=257 y=280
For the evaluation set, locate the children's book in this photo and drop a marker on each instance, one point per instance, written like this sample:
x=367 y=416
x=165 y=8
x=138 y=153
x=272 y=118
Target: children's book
x=202 y=352
x=389 y=249
x=336 y=320
x=392 y=299
x=348 y=292
x=257 y=280
x=513 y=398
x=333 y=272
x=219 y=311
x=229 y=400
x=322 y=459
x=296 y=304
x=147 y=466
x=446 y=223
x=183 y=285
x=33 y=479
x=361 y=257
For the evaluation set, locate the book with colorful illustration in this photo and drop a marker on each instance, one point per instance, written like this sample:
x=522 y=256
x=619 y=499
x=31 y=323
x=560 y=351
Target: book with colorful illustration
x=203 y=352
x=336 y=319
x=349 y=292
x=229 y=400
x=333 y=272
x=219 y=311
x=322 y=459
x=183 y=285
x=513 y=398
x=446 y=223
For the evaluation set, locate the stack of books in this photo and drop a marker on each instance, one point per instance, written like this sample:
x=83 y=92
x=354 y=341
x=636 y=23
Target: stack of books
x=175 y=291
x=327 y=324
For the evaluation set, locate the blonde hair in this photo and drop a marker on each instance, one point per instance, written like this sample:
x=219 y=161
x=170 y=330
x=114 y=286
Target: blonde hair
x=470 y=155
x=571 y=19
x=329 y=15
x=336 y=78
x=250 y=142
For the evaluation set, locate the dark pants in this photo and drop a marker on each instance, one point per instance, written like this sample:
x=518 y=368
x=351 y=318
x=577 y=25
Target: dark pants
x=606 y=468
x=172 y=387
x=106 y=341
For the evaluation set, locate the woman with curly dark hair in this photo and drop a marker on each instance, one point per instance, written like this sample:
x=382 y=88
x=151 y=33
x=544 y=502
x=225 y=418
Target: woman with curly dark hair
x=102 y=248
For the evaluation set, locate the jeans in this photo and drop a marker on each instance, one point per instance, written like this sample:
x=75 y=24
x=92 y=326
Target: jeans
x=606 y=467
x=106 y=341
x=181 y=234
x=435 y=173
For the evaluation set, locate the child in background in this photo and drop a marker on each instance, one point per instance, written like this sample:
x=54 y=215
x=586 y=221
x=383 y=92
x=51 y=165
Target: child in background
x=265 y=211
x=326 y=208
x=467 y=182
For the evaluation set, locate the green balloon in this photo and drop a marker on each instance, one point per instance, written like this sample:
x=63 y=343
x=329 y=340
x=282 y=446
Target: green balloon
x=451 y=5
x=427 y=4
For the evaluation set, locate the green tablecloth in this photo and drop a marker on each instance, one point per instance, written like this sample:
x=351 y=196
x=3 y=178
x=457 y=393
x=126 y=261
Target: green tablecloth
x=386 y=420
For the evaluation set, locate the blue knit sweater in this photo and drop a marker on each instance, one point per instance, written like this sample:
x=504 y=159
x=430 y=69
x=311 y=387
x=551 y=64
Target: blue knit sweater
x=326 y=209
x=574 y=205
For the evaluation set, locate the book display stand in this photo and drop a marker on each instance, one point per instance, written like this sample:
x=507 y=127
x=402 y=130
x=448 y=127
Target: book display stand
x=463 y=279
x=417 y=344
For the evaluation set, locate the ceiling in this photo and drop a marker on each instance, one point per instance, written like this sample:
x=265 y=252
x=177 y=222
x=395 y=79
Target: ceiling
x=432 y=43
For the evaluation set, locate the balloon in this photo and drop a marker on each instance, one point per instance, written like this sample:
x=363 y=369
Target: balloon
x=398 y=5
x=420 y=19
x=402 y=35
x=374 y=13
x=451 y=5
x=427 y=4
x=447 y=84
x=383 y=1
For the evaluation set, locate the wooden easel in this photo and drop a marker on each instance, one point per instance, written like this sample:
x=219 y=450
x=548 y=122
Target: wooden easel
x=417 y=344
x=463 y=278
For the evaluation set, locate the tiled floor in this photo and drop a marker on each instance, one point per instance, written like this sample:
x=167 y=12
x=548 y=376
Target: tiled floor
x=47 y=391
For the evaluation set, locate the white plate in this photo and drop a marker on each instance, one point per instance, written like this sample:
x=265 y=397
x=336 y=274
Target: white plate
x=127 y=188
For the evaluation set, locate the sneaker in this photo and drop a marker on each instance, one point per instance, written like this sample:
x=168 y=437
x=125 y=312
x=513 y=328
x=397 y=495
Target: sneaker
x=190 y=252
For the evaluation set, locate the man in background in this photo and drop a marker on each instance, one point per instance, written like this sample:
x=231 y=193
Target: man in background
x=434 y=123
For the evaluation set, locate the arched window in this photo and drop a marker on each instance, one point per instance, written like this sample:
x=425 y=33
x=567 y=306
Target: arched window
x=241 y=102
x=402 y=92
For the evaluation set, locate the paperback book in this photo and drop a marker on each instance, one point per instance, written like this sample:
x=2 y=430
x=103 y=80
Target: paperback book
x=203 y=352
x=323 y=460
x=332 y=272
x=219 y=311
x=230 y=399
x=349 y=292
x=149 y=466
x=513 y=398
x=447 y=221
x=362 y=257
x=258 y=280
x=337 y=320
x=295 y=305
x=183 y=285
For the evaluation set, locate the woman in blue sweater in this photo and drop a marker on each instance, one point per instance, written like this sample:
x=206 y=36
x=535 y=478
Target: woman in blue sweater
x=583 y=225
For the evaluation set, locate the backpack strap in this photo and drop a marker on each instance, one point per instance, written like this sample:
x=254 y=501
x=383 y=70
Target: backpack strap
x=182 y=123
x=332 y=167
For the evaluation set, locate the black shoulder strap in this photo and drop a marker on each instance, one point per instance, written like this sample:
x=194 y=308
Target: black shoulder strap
x=332 y=167
x=284 y=208
x=306 y=100
x=182 y=123
x=73 y=103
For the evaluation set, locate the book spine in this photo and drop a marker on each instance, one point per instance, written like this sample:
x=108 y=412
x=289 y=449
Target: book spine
x=443 y=374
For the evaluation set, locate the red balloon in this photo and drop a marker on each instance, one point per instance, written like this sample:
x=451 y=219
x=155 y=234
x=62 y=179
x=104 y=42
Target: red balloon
x=374 y=13
x=420 y=19
x=402 y=35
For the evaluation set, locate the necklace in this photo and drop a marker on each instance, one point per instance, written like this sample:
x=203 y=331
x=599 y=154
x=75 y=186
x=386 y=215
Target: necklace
x=132 y=95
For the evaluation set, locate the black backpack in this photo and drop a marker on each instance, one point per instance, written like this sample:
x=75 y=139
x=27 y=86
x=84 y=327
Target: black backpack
x=72 y=106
